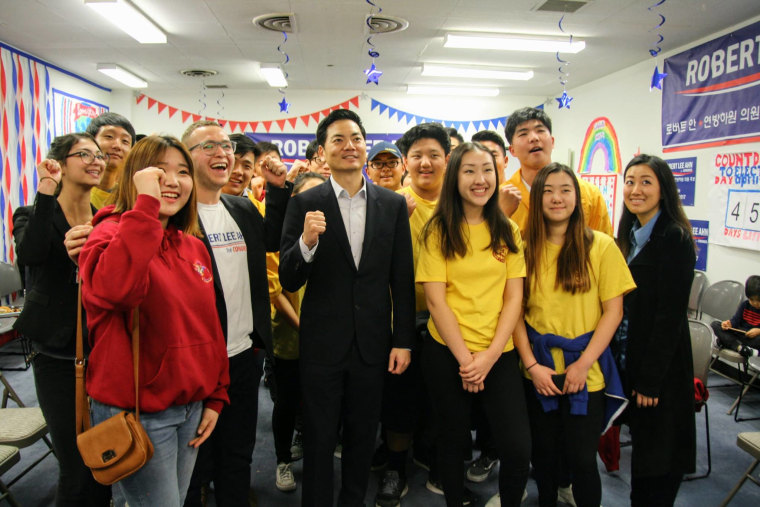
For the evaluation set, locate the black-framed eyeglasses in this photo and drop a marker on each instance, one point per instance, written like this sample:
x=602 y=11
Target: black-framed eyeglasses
x=88 y=157
x=209 y=147
x=378 y=165
x=317 y=160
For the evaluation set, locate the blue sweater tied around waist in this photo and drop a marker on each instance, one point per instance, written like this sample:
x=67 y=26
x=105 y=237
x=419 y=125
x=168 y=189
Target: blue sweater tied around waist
x=572 y=348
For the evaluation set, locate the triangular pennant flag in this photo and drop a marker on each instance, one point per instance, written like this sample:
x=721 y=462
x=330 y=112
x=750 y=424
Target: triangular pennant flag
x=151 y=102
x=210 y=118
x=253 y=125
x=196 y=117
x=267 y=125
x=391 y=112
x=315 y=116
x=334 y=108
x=344 y=105
x=281 y=124
x=234 y=125
x=468 y=125
x=185 y=116
x=305 y=120
x=139 y=98
x=325 y=112
x=417 y=119
x=172 y=111
x=222 y=122
x=402 y=116
x=292 y=122
x=383 y=107
x=354 y=101
x=373 y=104
x=161 y=107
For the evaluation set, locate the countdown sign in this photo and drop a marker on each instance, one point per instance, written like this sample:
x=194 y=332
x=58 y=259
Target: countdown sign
x=735 y=200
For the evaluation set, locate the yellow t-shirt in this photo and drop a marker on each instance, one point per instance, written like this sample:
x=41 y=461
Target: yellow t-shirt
x=100 y=198
x=284 y=336
x=592 y=201
x=259 y=204
x=552 y=310
x=474 y=283
x=417 y=221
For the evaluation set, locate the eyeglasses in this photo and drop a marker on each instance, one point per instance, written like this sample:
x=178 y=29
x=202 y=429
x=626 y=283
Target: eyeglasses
x=317 y=160
x=209 y=147
x=378 y=165
x=88 y=157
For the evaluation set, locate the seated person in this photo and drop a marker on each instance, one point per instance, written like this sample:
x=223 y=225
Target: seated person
x=740 y=333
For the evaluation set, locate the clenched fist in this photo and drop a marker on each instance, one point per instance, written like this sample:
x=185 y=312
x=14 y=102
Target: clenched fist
x=313 y=226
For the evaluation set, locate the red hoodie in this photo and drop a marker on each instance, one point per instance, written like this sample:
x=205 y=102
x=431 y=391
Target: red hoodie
x=130 y=260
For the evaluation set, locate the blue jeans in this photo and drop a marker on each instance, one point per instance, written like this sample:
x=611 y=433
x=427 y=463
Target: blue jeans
x=164 y=479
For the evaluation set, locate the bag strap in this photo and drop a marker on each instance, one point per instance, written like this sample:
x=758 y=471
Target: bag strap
x=82 y=406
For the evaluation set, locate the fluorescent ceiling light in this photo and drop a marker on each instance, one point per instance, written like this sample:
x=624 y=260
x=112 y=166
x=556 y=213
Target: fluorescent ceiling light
x=460 y=91
x=430 y=69
x=507 y=42
x=122 y=75
x=274 y=76
x=127 y=18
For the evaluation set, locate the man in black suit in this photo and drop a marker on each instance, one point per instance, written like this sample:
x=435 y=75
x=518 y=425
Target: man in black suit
x=349 y=242
x=237 y=238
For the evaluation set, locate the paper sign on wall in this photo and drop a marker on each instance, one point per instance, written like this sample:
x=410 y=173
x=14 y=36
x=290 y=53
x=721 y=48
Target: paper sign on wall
x=735 y=200
x=700 y=229
x=685 y=174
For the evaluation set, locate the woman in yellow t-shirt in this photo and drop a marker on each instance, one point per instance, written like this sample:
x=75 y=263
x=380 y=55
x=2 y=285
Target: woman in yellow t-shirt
x=576 y=279
x=471 y=267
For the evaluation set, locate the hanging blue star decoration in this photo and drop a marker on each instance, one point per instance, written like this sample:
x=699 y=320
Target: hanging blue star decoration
x=657 y=78
x=373 y=74
x=564 y=100
x=284 y=105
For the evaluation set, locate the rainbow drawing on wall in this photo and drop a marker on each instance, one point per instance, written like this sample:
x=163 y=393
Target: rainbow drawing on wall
x=600 y=136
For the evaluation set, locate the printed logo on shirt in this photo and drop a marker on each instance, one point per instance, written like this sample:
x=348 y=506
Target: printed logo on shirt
x=231 y=241
x=501 y=254
x=203 y=271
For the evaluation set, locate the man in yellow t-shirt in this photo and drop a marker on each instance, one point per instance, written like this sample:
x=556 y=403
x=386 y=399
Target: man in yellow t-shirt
x=115 y=135
x=426 y=151
x=529 y=134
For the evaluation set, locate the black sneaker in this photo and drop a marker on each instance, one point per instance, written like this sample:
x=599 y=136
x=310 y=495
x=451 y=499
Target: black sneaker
x=380 y=458
x=747 y=351
x=392 y=489
x=468 y=498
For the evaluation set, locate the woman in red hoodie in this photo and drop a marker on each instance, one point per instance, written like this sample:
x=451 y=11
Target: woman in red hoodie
x=143 y=254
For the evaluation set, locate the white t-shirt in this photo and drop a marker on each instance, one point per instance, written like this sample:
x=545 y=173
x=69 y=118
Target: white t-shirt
x=231 y=258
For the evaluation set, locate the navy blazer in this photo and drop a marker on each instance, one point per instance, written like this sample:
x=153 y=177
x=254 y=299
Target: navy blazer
x=49 y=316
x=373 y=304
x=261 y=235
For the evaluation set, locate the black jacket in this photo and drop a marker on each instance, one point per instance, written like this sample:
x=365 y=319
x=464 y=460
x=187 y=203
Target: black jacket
x=261 y=235
x=659 y=362
x=49 y=314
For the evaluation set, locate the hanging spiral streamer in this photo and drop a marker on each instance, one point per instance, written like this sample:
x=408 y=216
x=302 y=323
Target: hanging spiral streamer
x=564 y=73
x=372 y=73
x=202 y=98
x=655 y=50
x=219 y=105
x=284 y=104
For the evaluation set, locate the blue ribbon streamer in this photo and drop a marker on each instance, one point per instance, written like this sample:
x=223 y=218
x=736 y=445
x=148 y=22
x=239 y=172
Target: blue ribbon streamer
x=564 y=75
x=656 y=49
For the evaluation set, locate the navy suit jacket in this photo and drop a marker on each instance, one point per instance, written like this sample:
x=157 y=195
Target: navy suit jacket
x=373 y=304
x=261 y=235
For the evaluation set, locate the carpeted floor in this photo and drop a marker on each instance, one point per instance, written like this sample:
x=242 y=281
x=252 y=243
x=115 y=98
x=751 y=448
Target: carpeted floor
x=728 y=461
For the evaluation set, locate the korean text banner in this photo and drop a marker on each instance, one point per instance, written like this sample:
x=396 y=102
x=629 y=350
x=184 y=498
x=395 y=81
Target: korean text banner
x=711 y=95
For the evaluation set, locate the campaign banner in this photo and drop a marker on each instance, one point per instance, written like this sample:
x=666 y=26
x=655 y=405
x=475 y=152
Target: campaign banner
x=685 y=173
x=710 y=96
x=72 y=113
x=293 y=146
x=734 y=200
x=700 y=229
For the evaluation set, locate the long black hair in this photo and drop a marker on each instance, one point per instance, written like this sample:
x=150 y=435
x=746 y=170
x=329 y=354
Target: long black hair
x=448 y=218
x=670 y=203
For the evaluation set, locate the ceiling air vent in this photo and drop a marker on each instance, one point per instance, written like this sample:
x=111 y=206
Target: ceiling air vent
x=216 y=87
x=386 y=24
x=276 y=22
x=198 y=72
x=564 y=6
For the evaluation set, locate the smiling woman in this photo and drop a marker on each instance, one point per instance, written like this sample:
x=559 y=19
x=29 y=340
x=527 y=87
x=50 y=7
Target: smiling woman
x=74 y=166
